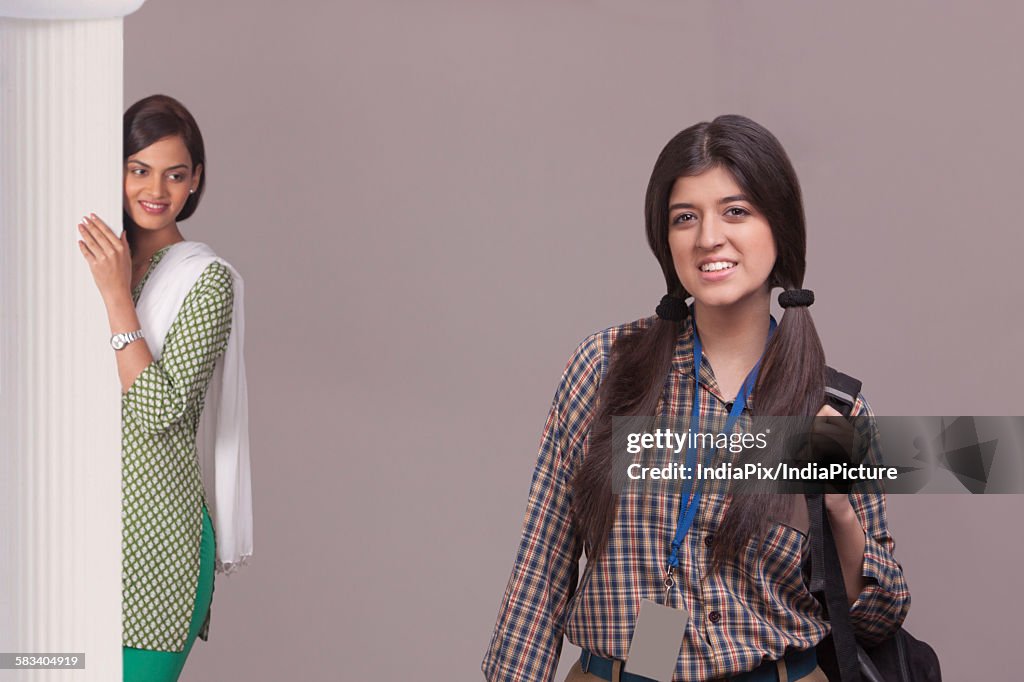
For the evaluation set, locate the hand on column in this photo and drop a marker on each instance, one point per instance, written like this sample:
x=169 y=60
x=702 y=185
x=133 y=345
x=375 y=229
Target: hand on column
x=109 y=258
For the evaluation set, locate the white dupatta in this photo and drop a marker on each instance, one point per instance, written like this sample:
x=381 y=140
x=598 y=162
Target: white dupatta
x=222 y=443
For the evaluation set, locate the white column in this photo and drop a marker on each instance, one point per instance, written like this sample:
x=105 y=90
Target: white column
x=61 y=103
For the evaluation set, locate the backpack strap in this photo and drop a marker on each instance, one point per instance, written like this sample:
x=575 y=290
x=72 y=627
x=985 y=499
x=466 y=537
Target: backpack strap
x=841 y=391
x=827 y=581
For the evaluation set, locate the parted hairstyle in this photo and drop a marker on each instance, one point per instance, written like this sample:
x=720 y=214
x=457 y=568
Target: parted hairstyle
x=156 y=117
x=791 y=381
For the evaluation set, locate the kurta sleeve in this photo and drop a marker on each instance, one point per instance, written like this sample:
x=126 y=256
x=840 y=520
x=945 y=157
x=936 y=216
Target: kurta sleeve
x=883 y=604
x=171 y=387
x=527 y=639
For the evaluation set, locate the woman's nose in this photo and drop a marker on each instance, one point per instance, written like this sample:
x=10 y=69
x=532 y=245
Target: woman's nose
x=156 y=187
x=711 y=235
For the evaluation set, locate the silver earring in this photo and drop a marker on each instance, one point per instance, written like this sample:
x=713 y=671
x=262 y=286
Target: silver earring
x=191 y=191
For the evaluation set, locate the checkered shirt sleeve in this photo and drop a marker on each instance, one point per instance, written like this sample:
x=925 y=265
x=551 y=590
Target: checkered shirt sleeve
x=527 y=638
x=883 y=604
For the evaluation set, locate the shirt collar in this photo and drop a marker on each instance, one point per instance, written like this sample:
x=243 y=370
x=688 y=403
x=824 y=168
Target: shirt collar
x=682 y=363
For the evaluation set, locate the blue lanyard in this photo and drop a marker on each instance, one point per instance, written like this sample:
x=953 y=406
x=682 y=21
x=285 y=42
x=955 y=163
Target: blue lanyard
x=688 y=507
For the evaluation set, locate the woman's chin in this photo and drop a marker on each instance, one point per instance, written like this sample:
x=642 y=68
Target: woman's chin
x=714 y=299
x=722 y=300
x=149 y=223
x=717 y=303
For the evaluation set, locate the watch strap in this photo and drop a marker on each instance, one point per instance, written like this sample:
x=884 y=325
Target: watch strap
x=119 y=341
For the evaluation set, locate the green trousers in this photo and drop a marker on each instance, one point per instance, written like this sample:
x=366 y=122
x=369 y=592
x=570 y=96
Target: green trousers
x=144 y=665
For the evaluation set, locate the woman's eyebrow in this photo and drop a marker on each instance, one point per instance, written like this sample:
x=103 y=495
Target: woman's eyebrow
x=723 y=200
x=146 y=165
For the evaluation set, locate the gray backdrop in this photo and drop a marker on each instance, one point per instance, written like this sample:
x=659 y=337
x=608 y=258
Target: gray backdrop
x=432 y=203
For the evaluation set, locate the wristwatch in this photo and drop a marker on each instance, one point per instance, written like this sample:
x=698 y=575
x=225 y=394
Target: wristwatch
x=119 y=341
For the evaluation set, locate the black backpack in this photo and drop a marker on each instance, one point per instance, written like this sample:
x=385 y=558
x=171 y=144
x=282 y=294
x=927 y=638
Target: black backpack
x=900 y=658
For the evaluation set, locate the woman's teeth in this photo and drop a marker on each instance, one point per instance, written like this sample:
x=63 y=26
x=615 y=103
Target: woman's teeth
x=721 y=265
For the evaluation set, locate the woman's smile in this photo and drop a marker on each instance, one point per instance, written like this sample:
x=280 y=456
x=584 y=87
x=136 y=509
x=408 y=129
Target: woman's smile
x=154 y=207
x=716 y=270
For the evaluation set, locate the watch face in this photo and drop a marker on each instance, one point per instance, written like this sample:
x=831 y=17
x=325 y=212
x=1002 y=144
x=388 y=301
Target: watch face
x=117 y=342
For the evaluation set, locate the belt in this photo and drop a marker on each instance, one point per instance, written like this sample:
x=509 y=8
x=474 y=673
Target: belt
x=602 y=667
x=798 y=664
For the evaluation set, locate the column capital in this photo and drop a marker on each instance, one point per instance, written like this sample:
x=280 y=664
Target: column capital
x=68 y=9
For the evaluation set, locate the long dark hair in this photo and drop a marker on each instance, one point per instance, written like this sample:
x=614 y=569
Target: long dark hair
x=152 y=119
x=792 y=376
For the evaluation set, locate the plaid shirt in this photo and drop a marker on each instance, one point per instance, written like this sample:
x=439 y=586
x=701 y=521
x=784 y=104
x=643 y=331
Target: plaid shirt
x=749 y=612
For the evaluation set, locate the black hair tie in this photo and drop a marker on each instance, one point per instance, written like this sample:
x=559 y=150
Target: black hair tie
x=672 y=308
x=794 y=298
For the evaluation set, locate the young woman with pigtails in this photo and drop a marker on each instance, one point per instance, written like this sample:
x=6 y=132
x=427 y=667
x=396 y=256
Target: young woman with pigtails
x=711 y=580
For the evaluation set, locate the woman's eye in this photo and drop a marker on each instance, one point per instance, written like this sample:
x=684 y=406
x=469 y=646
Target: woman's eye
x=138 y=171
x=742 y=211
x=682 y=218
x=177 y=177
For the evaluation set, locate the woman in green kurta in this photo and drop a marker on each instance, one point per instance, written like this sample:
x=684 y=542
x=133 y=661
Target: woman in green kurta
x=168 y=538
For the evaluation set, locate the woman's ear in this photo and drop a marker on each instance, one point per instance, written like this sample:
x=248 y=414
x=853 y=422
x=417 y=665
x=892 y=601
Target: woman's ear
x=197 y=175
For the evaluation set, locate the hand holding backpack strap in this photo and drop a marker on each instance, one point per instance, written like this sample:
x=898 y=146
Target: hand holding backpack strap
x=902 y=657
x=841 y=391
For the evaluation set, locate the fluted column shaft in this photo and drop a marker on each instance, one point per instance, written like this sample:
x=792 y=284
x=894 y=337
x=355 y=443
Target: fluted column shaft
x=60 y=474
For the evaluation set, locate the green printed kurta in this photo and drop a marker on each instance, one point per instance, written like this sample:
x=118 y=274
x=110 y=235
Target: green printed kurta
x=162 y=491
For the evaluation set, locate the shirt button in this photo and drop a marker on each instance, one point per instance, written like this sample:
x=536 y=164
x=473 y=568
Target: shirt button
x=708 y=539
x=714 y=616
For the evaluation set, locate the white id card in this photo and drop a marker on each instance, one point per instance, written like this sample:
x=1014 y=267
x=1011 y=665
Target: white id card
x=657 y=638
